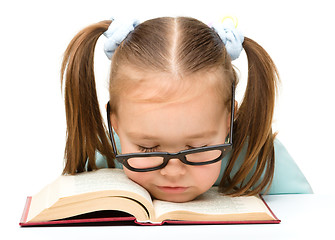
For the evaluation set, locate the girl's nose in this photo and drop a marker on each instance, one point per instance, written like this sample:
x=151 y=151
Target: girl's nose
x=174 y=168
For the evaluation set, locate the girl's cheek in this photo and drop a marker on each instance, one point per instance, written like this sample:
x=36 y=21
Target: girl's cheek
x=141 y=178
x=207 y=175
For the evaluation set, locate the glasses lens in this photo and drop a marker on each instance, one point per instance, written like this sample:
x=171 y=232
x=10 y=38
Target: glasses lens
x=145 y=162
x=206 y=156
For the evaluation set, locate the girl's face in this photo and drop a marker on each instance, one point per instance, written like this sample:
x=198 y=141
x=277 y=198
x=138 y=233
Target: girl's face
x=197 y=120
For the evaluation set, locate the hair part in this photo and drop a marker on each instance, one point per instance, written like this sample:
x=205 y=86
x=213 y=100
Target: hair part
x=176 y=47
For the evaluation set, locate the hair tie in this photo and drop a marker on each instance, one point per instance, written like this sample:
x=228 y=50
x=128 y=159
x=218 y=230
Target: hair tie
x=117 y=31
x=231 y=37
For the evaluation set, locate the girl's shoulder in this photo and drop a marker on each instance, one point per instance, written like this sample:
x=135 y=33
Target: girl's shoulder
x=101 y=161
x=287 y=179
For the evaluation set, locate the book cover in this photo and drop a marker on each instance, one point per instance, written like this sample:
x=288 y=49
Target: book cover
x=110 y=218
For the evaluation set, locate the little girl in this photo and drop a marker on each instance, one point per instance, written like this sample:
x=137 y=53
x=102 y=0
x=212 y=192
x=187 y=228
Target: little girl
x=172 y=107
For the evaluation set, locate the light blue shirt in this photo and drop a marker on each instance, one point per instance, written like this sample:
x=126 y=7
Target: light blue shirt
x=287 y=178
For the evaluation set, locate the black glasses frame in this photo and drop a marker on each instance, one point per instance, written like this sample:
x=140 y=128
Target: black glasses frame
x=224 y=148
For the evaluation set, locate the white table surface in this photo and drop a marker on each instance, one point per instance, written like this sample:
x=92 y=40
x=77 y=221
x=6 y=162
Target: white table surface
x=305 y=215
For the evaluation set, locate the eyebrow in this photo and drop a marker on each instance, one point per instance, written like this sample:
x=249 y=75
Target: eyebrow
x=152 y=137
x=203 y=134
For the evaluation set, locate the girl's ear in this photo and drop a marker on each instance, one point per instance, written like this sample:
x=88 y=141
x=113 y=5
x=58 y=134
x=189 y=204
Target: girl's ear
x=114 y=121
x=236 y=106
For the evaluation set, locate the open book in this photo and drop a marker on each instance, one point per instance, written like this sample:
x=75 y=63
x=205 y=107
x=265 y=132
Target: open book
x=108 y=192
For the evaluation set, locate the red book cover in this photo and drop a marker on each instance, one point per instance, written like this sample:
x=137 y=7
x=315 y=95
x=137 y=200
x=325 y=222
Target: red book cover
x=120 y=218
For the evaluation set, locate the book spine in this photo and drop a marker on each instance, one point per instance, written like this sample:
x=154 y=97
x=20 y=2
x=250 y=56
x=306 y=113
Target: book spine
x=25 y=211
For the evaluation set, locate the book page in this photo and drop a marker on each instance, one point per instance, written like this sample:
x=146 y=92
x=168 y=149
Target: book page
x=101 y=180
x=213 y=203
x=71 y=188
x=106 y=179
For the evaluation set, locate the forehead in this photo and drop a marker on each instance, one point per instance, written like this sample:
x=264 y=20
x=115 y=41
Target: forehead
x=174 y=119
x=162 y=87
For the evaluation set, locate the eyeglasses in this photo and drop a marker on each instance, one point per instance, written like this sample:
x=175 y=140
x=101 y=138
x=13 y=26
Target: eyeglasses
x=145 y=162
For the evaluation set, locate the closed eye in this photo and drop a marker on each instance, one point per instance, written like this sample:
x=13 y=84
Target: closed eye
x=191 y=147
x=147 y=150
x=155 y=148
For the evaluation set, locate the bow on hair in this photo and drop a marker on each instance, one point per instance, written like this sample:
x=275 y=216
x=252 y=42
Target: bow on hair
x=231 y=38
x=116 y=33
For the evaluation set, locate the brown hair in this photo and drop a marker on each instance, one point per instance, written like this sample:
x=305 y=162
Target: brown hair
x=86 y=132
x=179 y=46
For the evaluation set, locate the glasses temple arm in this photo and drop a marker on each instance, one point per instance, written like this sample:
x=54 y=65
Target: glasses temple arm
x=232 y=113
x=110 y=129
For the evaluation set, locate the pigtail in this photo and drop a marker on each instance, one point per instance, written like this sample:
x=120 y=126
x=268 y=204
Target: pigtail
x=253 y=127
x=86 y=131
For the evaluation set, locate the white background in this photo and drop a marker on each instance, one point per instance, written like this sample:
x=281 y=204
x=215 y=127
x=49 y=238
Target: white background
x=298 y=35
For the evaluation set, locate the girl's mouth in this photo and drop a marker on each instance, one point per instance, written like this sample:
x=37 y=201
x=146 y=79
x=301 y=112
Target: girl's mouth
x=168 y=189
